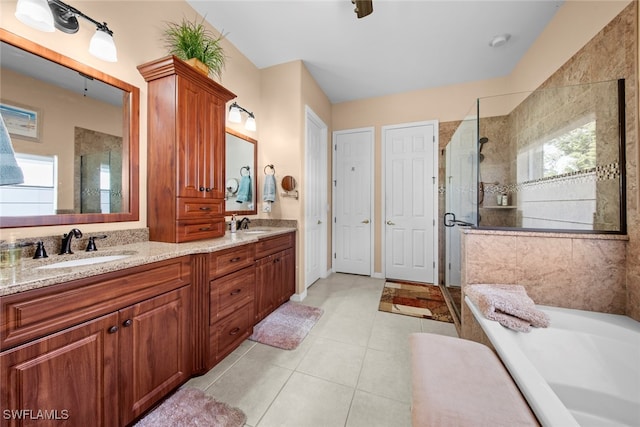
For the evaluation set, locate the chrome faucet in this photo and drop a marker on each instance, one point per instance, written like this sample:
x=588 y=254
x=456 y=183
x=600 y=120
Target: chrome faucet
x=65 y=248
x=243 y=224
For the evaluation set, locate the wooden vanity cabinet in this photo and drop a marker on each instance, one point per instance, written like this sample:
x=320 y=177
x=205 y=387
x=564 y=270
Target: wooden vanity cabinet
x=231 y=300
x=275 y=273
x=186 y=152
x=99 y=351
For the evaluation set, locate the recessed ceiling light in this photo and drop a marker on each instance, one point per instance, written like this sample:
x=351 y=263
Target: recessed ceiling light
x=500 y=40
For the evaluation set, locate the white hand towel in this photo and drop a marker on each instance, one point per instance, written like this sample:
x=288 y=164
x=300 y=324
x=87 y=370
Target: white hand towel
x=269 y=190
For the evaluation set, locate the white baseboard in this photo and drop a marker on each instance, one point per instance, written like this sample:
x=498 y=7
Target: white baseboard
x=299 y=297
x=378 y=275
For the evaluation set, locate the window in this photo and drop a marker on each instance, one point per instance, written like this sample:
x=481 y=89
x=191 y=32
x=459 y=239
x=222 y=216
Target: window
x=38 y=194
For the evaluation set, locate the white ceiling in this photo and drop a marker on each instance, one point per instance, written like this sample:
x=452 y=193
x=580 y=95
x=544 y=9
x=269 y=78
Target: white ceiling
x=404 y=45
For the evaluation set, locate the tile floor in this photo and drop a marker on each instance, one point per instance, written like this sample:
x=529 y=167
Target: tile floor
x=351 y=370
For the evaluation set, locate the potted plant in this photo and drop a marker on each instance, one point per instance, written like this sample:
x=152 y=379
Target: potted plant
x=193 y=43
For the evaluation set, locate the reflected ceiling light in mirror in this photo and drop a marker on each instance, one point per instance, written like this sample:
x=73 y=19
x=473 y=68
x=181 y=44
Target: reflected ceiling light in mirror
x=235 y=116
x=47 y=15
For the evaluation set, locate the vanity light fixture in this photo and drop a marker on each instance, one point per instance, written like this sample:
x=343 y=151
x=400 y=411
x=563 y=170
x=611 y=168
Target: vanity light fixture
x=47 y=15
x=235 y=116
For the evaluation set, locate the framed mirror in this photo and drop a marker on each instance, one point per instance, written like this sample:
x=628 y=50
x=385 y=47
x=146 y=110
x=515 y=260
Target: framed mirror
x=240 y=170
x=81 y=160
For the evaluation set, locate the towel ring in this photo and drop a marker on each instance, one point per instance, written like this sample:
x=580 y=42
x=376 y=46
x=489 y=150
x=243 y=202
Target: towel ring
x=248 y=171
x=272 y=168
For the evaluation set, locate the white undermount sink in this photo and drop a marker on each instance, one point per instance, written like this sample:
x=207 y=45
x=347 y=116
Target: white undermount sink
x=85 y=261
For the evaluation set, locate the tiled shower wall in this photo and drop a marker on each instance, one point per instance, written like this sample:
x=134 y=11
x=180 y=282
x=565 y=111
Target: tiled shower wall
x=600 y=273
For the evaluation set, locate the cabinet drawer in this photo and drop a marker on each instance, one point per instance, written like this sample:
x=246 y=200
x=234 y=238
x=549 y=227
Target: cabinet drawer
x=33 y=314
x=189 y=230
x=231 y=331
x=228 y=294
x=199 y=208
x=274 y=244
x=230 y=260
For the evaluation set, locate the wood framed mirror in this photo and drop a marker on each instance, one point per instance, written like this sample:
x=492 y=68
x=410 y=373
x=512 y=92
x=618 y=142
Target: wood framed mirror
x=240 y=174
x=88 y=139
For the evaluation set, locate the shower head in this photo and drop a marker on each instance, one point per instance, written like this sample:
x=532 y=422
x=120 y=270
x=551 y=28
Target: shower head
x=481 y=143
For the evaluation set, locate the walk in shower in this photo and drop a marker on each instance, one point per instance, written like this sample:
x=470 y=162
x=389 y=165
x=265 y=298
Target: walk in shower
x=548 y=160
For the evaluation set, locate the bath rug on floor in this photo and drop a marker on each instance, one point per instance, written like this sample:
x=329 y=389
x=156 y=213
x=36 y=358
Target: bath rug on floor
x=287 y=326
x=417 y=300
x=189 y=407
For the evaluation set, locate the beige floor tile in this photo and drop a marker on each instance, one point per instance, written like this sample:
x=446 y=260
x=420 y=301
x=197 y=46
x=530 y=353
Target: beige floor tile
x=250 y=386
x=307 y=401
x=436 y=327
x=390 y=332
x=369 y=410
x=343 y=328
x=387 y=375
x=204 y=381
x=334 y=361
x=288 y=359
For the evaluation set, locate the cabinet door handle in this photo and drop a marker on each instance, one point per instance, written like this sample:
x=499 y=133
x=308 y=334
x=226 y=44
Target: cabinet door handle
x=113 y=329
x=201 y=188
x=276 y=260
x=234 y=331
x=235 y=292
x=127 y=323
x=208 y=189
x=205 y=228
x=236 y=259
x=205 y=208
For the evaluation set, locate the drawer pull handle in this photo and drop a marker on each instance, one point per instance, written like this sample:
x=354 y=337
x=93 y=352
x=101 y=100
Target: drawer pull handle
x=113 y=329
x=205 y=228
x=127 y=323
x=205 y=208
x=234 y=331
x=236 y=292
x=236 y=259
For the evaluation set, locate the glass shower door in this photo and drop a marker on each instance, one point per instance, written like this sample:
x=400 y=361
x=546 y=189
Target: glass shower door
x=461 y=188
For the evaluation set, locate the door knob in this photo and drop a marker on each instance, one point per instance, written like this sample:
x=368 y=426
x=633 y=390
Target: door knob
x=390 y=223
x=366 y=221
x=319 y=222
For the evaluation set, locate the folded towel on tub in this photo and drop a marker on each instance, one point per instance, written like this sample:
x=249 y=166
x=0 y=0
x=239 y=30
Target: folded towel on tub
x=509 y=305
x=269 y=190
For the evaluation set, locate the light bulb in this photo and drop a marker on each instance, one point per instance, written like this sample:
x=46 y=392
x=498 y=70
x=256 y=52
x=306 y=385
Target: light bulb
x=234 y=115
x=250 y=124
x=36 y=14
x=103 y=47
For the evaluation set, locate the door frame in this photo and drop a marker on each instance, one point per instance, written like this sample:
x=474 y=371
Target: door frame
x=372 y=229
x=311 y=116
x=383 y=206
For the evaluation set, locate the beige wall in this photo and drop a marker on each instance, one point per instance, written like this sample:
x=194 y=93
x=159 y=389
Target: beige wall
x=277 y=95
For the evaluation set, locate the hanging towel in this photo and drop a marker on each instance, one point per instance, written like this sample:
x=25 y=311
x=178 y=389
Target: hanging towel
x=10 y=172
x=244 y=190
x=269 y=191
x=509 y=305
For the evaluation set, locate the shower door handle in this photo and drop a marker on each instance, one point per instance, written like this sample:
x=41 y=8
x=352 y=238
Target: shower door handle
x=453 y=221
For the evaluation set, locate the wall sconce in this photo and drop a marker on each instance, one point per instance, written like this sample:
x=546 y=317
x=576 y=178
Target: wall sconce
x=47 y=15
x=236 y=117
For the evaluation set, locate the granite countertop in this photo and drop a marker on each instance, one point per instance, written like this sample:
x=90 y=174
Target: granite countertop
x=28 y=276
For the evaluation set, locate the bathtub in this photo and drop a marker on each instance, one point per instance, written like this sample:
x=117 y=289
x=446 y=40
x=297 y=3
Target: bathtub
x=583 y=370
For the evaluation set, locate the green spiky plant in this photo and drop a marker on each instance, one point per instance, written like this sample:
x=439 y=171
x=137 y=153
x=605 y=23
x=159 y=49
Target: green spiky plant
x=191 y=39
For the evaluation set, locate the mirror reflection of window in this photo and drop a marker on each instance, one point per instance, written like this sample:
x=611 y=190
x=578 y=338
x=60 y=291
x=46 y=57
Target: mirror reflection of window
x=105 y=188
x=37 y=195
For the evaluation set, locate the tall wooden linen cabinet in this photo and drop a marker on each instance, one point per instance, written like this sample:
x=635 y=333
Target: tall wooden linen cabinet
x=185 y=152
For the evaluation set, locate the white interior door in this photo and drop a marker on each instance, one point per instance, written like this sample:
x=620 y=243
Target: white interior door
x=316 y=202
x=353 y=213
x=411 y=202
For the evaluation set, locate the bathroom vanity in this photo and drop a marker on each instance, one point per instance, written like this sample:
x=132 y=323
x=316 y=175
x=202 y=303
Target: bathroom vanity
x=102 y=344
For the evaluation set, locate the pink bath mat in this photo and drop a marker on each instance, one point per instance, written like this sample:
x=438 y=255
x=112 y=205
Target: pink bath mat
x=287 y=326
